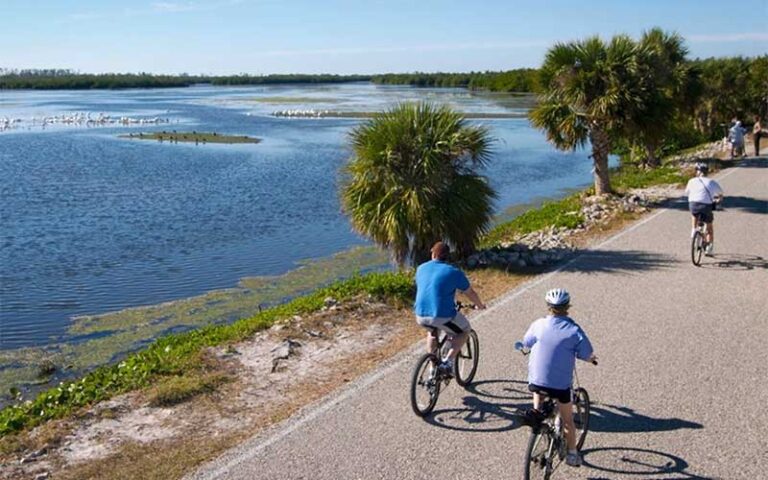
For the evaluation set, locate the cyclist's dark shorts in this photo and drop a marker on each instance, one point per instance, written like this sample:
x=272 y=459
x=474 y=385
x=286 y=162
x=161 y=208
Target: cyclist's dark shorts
x=704 y=210
x=562 y=396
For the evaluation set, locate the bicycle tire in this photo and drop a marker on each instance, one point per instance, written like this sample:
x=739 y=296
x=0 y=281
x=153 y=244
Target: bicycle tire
x=469 y=356
x=697 y=248
x=539 y=456
x=583 y=408
x=425 y=380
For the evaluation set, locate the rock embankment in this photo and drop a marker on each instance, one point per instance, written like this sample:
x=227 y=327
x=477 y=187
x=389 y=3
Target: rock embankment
x=555 y=244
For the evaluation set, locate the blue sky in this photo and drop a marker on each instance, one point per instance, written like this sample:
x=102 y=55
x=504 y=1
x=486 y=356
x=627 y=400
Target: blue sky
x=348 y=36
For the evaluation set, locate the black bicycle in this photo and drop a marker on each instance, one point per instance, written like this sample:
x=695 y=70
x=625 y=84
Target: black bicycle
x=427 y=379
x=547 y=447
x=699 y=241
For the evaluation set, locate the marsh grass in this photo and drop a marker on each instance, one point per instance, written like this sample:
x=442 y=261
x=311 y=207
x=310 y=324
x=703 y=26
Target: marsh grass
x=191 y=137
x=176 y=389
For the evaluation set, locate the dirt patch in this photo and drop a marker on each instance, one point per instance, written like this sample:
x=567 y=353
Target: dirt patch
x=268 y=384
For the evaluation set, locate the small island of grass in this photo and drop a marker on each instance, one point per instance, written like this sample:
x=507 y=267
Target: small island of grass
x=192 y=137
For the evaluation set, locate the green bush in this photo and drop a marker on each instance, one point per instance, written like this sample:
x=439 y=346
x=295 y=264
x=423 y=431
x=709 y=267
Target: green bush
x=560 y=213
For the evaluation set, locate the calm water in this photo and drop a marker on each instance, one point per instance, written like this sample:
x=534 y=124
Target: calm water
x=92 y=223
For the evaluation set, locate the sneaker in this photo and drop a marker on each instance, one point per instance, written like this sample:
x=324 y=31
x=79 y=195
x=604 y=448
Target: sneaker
x=708 y=250
x=573 y=459
x=532 y=417
x=446 y=368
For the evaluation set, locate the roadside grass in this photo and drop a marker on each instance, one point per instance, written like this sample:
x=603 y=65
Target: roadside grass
x=176 y=354
x=177 y=389
x=559 y=213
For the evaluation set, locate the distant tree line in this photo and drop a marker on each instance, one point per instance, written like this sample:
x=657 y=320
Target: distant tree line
x=53 y=79
x=66 y=79
x=519 y=80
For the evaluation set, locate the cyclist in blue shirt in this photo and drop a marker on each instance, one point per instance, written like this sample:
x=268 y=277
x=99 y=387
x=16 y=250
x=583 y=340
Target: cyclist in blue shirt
x=435 y=305
x=555 y=342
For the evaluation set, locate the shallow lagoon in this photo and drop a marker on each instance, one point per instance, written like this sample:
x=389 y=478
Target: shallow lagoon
x=92 y=223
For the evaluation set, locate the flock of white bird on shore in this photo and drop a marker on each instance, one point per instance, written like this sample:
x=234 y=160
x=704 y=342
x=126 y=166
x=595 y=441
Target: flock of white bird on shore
x=77 y=119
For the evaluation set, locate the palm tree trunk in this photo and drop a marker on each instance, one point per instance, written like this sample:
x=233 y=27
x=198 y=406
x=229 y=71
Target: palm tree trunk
x=601 y=146
x=650 y=155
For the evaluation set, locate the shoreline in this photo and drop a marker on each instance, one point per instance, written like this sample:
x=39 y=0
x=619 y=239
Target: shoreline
x=131 y=327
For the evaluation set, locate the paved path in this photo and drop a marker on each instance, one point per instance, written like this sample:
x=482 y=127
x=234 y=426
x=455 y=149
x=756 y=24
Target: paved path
x=679 y=393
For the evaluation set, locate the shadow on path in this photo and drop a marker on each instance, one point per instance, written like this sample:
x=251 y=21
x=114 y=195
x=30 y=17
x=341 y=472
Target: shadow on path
x=616 y=261
x=642 y=462
x=616 y=419
x=480 y=415
x=734 y=261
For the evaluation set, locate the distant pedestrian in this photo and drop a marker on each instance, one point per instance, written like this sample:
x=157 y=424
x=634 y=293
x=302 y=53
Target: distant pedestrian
x=757 y=134
x=736 y=137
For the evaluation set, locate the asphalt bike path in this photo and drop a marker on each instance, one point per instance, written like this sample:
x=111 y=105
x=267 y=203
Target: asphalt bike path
x=678 y=394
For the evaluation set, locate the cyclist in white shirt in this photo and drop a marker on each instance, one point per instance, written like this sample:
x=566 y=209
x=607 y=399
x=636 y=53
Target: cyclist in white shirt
x=702 y=193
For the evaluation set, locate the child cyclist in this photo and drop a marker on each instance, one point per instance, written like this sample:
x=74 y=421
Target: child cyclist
x=555 y=342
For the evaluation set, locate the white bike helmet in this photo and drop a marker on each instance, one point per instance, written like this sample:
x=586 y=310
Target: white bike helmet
x=557 y=297
x=702 y=167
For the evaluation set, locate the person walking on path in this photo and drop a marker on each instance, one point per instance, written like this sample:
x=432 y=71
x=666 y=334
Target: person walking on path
x=435 y=305
x=757 y=134
x=736 y=137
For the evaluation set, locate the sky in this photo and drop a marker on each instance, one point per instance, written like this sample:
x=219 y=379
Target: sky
x=220 y=37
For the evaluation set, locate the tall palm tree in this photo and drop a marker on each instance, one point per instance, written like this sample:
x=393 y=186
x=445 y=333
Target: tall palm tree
x=667 y=89
x=589 y=87
x=413 y=179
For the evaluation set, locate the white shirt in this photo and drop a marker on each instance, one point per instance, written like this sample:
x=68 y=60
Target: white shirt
x=702 y=190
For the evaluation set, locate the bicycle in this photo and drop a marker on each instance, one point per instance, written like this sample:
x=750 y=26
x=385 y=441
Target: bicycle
x=699 y=242
x=547 y=446
x=427 y=379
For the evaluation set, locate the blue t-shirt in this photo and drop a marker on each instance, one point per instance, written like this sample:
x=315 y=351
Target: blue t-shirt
x=555 y=343
x=436 y=284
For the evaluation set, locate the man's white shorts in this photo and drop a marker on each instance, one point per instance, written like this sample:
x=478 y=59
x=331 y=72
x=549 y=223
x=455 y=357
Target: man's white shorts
x=451 y=326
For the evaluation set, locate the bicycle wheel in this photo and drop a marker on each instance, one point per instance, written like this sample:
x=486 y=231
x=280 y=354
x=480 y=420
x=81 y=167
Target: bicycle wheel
x=425 y=386
x=539 y=455
x=581 y=410
x=465 y=366
x=697 y=248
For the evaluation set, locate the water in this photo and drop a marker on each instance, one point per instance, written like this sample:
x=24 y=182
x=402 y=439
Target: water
x=92 y=223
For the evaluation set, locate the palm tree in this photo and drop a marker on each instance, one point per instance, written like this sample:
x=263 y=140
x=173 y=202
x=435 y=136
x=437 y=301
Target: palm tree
x=588 y=89
x=667 y=86
x=413 y=180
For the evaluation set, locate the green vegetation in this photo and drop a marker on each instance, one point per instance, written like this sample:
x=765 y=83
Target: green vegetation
x=520 y=80
x=631 y=176
x=413 y=180
x=567 y=211
x=53 y=79
x=559 y=213
x=192 y=137
x=67 y=79
x=175 y=354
